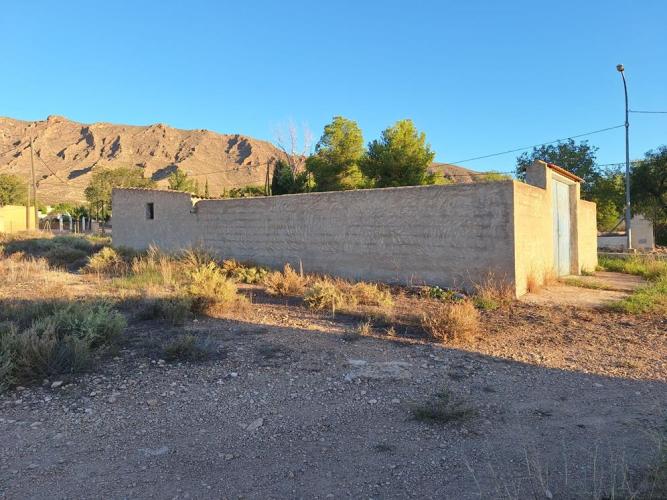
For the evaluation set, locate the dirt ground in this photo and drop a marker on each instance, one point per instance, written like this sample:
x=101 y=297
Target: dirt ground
x=560 y=402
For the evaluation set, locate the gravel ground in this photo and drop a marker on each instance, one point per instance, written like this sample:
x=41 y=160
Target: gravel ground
x=285 y=412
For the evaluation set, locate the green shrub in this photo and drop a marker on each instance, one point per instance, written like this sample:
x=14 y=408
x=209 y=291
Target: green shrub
x=175 y=310
x=209 y=288
x=190 y=348
x=443 y=409
x=41 y=352
x=651 y=298
x=327 y=294
x=649 y=268
x=444 y=294
x=106 y=261
x=98 y=324
x=370 y=294
x=242 y=273
x=287 y=282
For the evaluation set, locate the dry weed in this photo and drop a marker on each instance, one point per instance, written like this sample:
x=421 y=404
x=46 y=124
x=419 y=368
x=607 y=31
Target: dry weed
x=456 y=322
x=287 y=282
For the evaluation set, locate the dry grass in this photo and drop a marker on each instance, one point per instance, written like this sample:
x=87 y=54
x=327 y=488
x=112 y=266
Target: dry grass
x=371 y=294
x=288 y=282
x=492 y=293
x=328 y=294
x=456 y=322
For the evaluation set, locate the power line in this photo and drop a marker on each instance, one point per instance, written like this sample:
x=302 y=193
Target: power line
x=10 y=150
x=50 y=170
x=538 y=145
x=649 y=112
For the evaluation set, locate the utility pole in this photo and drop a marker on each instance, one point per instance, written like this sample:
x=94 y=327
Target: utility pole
x=628 y=212
x=34 y=184
x=267 y=183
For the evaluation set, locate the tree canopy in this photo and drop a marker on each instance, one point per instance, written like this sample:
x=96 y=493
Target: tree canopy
x=98 y=192
x=13 y=190
x=649 y=186
x=287 y=181
x=180 y=181
x=335 y=164
x=400 y=158
x=578 y=158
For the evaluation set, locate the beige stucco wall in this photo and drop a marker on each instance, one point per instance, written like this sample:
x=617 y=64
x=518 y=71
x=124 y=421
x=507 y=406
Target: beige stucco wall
x=534 y=227
x=588 y=244
x=454 y=235
x=533 y=235
x=13 y=217
x=446 y=235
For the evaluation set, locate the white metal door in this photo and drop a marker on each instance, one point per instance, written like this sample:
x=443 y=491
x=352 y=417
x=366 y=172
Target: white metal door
x=561 y=204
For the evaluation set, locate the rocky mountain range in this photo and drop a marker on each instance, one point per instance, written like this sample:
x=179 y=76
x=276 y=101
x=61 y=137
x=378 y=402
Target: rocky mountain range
x=66 y=154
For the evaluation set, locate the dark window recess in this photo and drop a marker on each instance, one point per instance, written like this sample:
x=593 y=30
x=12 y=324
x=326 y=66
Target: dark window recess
x=150 y=211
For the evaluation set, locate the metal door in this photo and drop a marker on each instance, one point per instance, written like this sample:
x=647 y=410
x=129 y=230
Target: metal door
x=561 y=204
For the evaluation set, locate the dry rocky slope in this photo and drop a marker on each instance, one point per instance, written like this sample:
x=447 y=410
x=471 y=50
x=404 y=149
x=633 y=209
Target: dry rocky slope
x=74 y=150
x=67 y=153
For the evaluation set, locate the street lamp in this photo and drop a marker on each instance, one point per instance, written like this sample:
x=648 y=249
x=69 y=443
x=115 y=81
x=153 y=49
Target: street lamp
x=628 y=214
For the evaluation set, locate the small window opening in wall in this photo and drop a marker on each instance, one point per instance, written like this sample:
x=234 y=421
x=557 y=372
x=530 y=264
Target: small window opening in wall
x=150 y=211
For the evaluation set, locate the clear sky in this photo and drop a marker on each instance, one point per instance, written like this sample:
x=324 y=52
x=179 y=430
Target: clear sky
x=478 y=77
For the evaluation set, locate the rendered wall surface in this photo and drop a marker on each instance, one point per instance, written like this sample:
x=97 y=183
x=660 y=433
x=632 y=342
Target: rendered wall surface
x=533 y=233
x=446 y=235
x=588 y=244
x=13 y=217
x=453 y=235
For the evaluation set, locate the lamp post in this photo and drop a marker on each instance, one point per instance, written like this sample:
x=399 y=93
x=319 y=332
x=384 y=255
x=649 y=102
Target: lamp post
x=628 y=213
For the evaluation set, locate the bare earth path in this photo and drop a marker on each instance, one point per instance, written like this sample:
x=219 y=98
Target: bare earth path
x=614 y=286
x=285 y=412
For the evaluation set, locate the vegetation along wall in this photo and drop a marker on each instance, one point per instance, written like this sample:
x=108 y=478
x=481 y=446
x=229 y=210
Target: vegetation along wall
x=451 y=235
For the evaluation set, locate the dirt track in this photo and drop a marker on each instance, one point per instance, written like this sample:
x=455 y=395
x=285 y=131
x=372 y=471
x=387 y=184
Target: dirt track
x=285 y=412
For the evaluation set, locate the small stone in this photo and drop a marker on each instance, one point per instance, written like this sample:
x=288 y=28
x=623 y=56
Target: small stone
x=395 y=401
x=154 y=452
x=372 y=401
x=597 y=384
x=228 y=456
x=35 y=424
x=152 y=402
x=233 y=374
x=255 y=424
x=56 y=384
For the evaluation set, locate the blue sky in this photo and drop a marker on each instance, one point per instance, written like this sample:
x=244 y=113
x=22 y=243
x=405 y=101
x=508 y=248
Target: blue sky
x=477 y=76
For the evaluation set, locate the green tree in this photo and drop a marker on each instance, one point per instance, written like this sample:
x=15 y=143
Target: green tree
x=578 y=158
x=648 y=184
x=13 y=190
x=180 y=181
x=400 y=158
x=608 y=192
x=98 y=192
x=286 y=181
x=335 y=164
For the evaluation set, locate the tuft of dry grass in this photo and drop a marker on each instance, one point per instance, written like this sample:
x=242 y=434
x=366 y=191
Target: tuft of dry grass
x=493 y=293
x=107 y=261
x=327 y=293
x=287 y=282
x=456 y=322
x=370 y=294
x=211 y=291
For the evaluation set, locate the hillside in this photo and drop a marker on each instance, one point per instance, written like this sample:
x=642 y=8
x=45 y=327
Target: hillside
x=67 y=152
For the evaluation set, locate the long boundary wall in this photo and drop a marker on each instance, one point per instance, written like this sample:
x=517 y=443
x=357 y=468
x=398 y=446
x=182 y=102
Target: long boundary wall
x=447 y=235
x=453 y=235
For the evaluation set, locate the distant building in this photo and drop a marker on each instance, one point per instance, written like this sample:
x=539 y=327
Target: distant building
x=13 y=218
